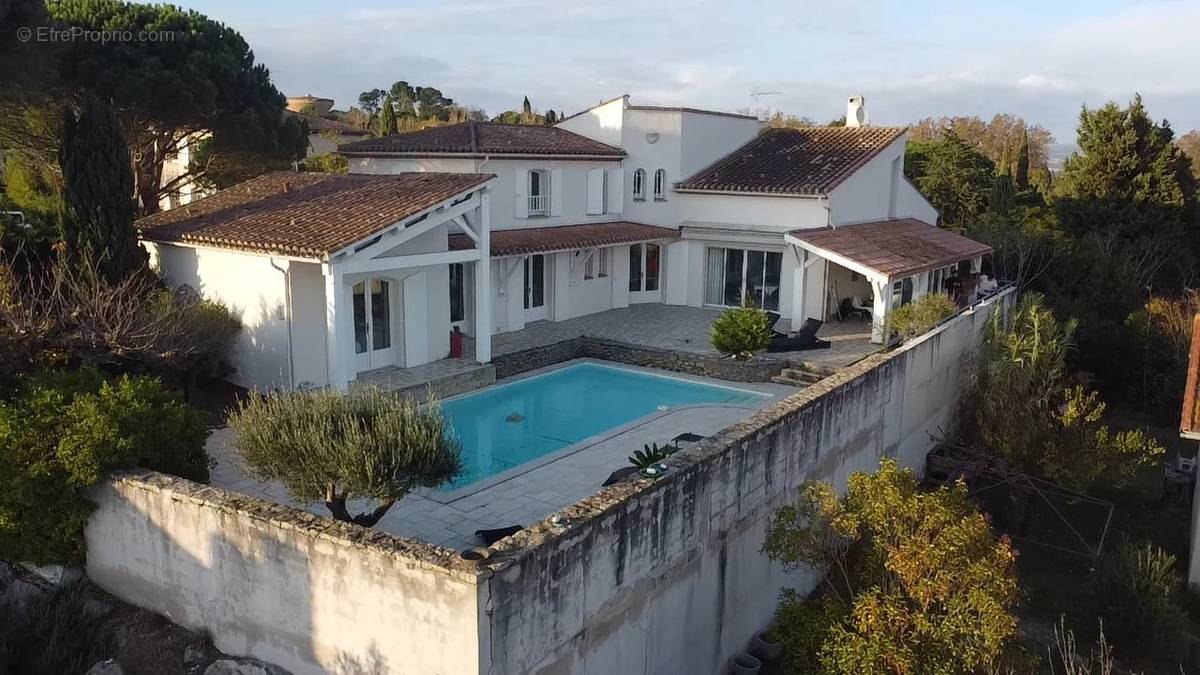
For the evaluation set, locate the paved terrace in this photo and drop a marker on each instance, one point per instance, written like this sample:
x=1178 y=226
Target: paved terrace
x=683 y=329
x=528 y=493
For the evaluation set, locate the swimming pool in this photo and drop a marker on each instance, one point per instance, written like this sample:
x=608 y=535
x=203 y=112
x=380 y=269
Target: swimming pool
x=505 y=426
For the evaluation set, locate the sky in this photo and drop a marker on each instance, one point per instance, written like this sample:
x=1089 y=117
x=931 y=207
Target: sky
x=1041 y=60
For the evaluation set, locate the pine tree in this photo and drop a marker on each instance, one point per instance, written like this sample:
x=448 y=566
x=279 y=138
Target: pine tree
x=97 y=191
x=1021 y=177
x=388 y=124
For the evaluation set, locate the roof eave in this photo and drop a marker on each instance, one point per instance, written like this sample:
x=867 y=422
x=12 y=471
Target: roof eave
x=480 y=155
x=751 y=193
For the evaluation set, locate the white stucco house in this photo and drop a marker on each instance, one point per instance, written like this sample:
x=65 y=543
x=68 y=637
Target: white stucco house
x=487 y=227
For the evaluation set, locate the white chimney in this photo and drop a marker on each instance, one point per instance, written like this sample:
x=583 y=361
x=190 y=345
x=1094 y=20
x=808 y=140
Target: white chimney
x=856 y=112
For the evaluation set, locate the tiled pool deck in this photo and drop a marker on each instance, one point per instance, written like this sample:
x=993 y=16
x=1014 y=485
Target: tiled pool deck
x=520 y=499
x=682 y=329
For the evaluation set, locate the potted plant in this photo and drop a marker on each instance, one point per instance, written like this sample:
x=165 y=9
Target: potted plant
x=745 y=664
x=767 y=644
x=649 y=460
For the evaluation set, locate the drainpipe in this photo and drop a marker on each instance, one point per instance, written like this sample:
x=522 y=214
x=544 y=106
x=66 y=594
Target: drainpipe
x=824 y=202
x=287 y=315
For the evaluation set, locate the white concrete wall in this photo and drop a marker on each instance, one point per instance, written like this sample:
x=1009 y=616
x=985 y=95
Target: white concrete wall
x=670 y=578
x=274 y=582
x=665 y=153
x=572 y=185
x=602 y=123
x=707 y=138
x=779 y=214
x=425 y=296
x=878 y=191
x=309 y=359
x=252 y=289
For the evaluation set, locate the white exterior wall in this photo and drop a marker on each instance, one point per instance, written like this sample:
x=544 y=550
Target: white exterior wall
x=663 y=154
x=572 y=185
x=308 y=324
x=878 y=191
x=776 y=214
x=602 y=123
x=253 y=290
x=708 y=138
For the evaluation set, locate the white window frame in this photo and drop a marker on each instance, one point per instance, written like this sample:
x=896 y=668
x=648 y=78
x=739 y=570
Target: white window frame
x=660 y=185
x=745 y=271
x=602 y=263
x=539 y=204
x=639 y=185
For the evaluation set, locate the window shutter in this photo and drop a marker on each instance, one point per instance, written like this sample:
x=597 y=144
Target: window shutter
x=556 y=192
x=595 y=192
x=521 y=193
x=616 y=190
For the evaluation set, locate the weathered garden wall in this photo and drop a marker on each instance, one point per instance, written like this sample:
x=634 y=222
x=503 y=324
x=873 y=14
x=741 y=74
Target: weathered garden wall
x=305 y=592
x=644 y=577
x=667 y=577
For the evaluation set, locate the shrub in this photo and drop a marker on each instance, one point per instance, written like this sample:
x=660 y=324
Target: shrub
x=61 y=631
x=1134 y=595
x=922 y=315
x=330 y=447
x=134 y=323
x=741 y=331
x=802 y=627
x=61 y=432
x=929 y=587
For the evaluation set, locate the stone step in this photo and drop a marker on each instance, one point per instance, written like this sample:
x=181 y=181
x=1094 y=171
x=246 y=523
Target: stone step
x=791 y=382
x=805 y=376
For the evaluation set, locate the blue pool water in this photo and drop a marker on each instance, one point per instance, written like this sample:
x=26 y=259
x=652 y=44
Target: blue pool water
x=510 y=424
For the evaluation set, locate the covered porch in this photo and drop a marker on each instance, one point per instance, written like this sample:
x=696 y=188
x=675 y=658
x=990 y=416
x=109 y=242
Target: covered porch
x=871 y=269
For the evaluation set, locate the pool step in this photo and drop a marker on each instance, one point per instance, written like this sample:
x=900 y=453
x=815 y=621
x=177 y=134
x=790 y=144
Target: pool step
x=796 y=377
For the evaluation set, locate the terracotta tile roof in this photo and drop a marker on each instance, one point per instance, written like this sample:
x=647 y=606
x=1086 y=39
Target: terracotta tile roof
x=1190 y=422
x=566 y=237
x=320 y=124
x=478 y=139
x=808 y=161
x=894 y=248
x=304 y=214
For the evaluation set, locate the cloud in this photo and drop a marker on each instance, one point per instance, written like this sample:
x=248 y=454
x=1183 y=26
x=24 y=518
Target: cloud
x=1041 y=61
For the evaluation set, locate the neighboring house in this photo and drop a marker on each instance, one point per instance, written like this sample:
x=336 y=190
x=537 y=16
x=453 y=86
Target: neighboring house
x=325 y=135
x=1189 y=428
x=182 y=191
x=614 y=206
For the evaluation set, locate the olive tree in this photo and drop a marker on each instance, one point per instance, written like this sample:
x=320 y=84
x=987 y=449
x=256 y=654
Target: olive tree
x=330 y=447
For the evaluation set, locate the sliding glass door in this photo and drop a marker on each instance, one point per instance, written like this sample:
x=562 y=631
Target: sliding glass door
x=734 y=274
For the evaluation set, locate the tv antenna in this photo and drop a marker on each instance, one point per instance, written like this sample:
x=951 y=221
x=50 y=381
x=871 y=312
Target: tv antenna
x=759 y=92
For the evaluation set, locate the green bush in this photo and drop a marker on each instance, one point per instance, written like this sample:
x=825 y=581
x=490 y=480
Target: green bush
x=921 y=315
x=802 y=626
x=1134 y=595
x=61 y=432
x=741 y=331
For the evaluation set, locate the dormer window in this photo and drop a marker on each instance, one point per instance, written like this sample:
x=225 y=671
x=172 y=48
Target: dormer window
x=539 y=193
x=660 y=185
x=639 y=185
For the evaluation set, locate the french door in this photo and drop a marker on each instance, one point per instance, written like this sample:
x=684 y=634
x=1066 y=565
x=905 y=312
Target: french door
x=535 y=287
x=374 y=335
x=645 y=272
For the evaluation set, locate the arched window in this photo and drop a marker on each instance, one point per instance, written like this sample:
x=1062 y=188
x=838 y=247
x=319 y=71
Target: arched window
x=639 y=185
x=660 y=184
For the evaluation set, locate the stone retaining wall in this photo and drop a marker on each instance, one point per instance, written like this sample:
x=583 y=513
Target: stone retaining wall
x=761 y=369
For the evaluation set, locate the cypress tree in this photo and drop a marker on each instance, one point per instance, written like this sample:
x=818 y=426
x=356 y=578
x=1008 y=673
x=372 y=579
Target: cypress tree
x=1001 y=199
x=97 y=191
x=388 y=124
x=1021 y=178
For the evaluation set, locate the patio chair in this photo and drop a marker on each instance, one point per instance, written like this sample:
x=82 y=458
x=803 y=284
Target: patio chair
x=490 y=537
x=857 y=306
x=805 y=338
x=774 y=318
